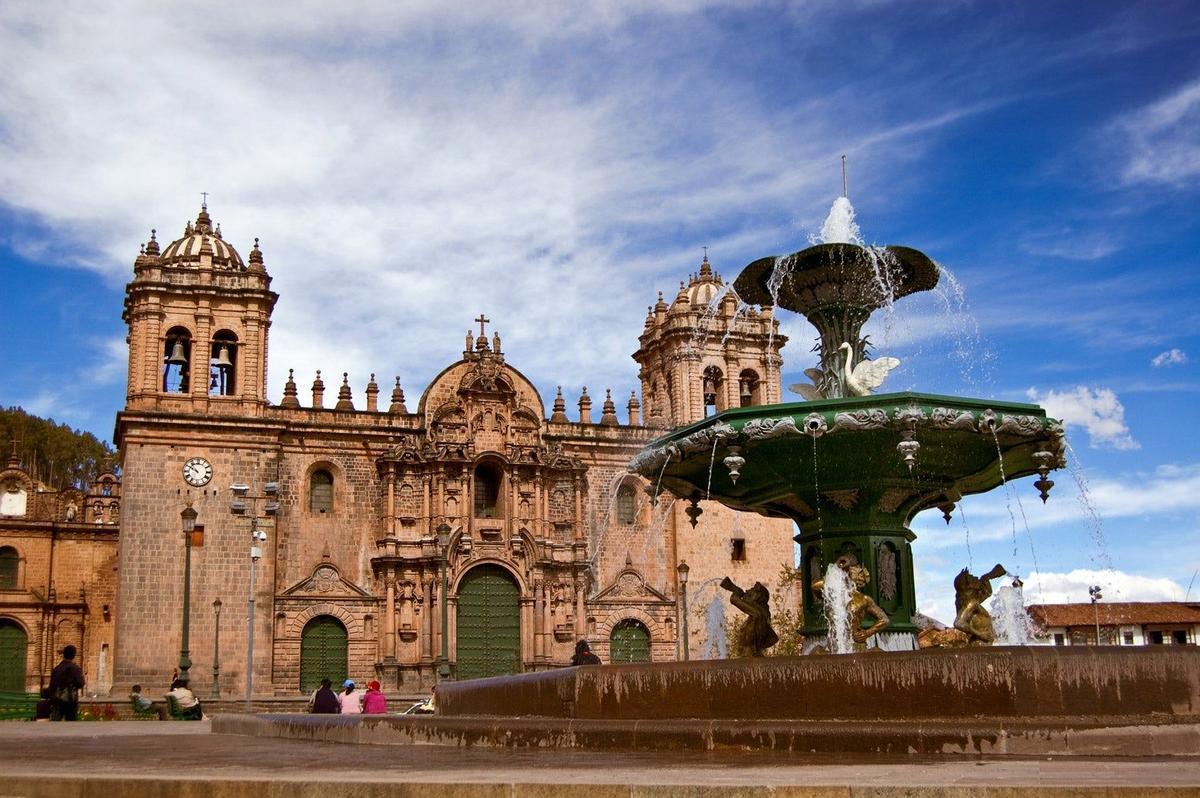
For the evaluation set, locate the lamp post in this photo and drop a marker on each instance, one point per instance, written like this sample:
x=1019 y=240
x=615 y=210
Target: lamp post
x=238 y=506
x=443 y=542
x=1094 y=592
x=682 y=570
x=216 y=690
x=188 y=517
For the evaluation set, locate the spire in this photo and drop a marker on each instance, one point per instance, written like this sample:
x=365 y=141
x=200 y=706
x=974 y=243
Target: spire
x=318 y=392
x=152 y=245
x=398 y=400
x=372 y=394
x=706 y=272
x=203 y=220
x=256 y=258
x=585 y=407
x=635 y=410
x=289 y=391
x=559 y=416
x=608 y=416
x=344 y=401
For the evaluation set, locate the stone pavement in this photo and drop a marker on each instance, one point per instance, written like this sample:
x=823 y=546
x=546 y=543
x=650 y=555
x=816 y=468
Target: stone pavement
x=128 y=758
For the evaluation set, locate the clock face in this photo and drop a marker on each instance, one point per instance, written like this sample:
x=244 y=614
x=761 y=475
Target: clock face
x=197 y=472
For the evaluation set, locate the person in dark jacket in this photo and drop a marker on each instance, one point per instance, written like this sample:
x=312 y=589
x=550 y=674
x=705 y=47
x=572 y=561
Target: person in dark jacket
x=325 y=701
x=66 y=682
x=583 y=655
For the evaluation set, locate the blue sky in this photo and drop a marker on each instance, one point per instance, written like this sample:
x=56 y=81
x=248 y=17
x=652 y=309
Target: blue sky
x=554 y=165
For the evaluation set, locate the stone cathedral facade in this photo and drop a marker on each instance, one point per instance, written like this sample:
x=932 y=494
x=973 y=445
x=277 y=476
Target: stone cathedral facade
x=471 y=532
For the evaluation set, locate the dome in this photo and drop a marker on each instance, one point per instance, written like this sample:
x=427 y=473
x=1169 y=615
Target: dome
x=196 y=238
x=705 y=286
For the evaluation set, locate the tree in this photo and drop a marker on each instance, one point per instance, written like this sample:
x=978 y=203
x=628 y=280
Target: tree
x=54 y=453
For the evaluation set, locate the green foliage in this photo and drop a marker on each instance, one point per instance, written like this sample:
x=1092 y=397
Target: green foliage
x=52 y=453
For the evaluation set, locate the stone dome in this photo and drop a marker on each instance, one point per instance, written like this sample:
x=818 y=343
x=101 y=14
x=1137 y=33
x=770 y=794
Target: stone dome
x=199 y=238
x=703 y=287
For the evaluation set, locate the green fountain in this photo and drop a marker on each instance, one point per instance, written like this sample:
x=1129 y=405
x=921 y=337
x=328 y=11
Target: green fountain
x=851 y=468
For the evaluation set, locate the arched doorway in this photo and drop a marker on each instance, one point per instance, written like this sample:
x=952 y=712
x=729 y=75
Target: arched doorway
x=489 y=623
x=322 y=653
x=14 y=644
x=630 y=642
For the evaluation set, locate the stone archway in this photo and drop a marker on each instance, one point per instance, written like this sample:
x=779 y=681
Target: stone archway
x=629 y=642
x=489 y=623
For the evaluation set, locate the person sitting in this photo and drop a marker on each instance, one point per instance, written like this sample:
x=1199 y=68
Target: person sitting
x=350 y=699
x=324 y=700
x=374 y=702
x=185 y=699
x=583 y=655
x=144 y=705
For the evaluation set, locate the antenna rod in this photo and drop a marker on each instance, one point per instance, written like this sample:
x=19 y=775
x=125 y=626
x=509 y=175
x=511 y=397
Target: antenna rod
x=845 y=185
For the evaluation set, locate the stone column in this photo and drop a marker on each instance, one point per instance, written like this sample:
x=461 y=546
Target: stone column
x=391 y=500
x=580 y=608
x=427 y=620
x=547 y=620
x=538 y=628
x=389 y=619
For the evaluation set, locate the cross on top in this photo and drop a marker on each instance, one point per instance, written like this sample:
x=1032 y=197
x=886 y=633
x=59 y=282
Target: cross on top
x=482 y=321
x=204 y=198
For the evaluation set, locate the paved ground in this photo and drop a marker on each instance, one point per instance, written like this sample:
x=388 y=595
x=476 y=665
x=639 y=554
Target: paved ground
x=100 y=752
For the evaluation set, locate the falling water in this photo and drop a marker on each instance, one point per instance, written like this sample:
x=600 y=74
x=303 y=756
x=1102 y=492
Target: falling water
x=1095 y=523
x=712 y=613
x=836 y=594
x=1004 y=483
x=712 y=459
x=975 y=360
x=1011 y=622
x=816 y=484
x=962 y=514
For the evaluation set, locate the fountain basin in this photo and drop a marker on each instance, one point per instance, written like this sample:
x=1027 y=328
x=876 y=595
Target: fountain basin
x=853 y=472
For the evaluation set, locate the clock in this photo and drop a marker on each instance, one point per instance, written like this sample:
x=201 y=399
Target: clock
x=197 y=472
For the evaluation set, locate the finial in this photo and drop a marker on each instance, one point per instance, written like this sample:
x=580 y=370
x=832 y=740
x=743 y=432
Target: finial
x=344 y=401
x=217 y=232
x=372 y=394
x=398 y=399
x=152 y=244
x=204 y=200
x=559 y=415
x=608 y=414
x=289 y=391
x=256 y=254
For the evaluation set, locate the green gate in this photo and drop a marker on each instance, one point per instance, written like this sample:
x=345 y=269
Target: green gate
x=489 y=624
x=322 y=653
x=13 y=645
x=630 y=642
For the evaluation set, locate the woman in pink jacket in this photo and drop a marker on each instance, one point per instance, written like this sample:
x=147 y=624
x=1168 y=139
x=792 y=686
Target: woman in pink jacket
x=350 y=699
x=374 y=702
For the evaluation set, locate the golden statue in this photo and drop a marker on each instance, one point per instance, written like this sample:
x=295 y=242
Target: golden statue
x=860 y=604
x=972 y=623
x=755 y=635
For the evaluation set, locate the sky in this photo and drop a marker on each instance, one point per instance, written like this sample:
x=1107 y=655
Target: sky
x=408 y=166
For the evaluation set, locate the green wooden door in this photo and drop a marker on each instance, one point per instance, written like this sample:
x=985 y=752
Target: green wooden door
x=13 y=646
x=630 y=642
x=322 y=653
x=489 y=624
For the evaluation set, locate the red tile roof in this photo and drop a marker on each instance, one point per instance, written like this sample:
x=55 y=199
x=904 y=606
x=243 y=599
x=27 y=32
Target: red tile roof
x=1115 y=613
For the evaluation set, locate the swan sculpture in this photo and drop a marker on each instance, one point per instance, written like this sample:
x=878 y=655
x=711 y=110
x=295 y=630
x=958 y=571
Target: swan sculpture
x=862 y=378
x=810 y=392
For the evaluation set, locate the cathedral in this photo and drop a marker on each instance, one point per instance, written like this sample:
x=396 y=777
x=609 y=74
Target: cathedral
x=470 y=534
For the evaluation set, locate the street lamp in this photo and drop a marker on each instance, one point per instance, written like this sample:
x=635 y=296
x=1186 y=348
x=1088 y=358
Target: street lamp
x=1094 y=592
x=216 y=690
x=188 y=517
x=443 y=542
x=238 y=506
x=683 y=569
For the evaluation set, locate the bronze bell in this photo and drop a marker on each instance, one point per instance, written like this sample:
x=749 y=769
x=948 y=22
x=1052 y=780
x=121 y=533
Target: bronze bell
x=177 y=358
x=223 y=362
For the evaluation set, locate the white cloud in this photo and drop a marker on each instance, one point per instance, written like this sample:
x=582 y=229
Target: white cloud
x=1172 y=357
x=408 y=166
x=1098 y=411
x=1162 y=139
x=1116 y=585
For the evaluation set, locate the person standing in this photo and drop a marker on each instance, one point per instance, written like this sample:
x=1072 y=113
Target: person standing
x=350 y=699
x=66 y=681
x=325 y=701
x=374 y=702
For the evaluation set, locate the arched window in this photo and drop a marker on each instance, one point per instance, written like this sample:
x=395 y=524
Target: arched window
x=320 y=492
x=713 y=384
x=629 y=642
x=626 y=511
x=10 y=563
x=177 y=357
x=487 y=491
x=749 y=388
x=222 y=364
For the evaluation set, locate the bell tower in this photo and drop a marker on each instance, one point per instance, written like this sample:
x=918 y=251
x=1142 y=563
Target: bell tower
x=705 y=353
x=198 y=317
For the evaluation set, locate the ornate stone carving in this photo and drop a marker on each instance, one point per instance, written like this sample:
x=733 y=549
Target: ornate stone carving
x=892 y=498
x=944 y=418
x=859 y=420
x=761 y=428
x=846 y=499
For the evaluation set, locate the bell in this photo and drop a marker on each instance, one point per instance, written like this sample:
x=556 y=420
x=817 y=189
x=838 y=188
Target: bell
x=177 y=358
x=223 y=361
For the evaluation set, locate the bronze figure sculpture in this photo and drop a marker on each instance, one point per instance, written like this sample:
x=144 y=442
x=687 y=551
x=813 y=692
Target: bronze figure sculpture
x=755 y=635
